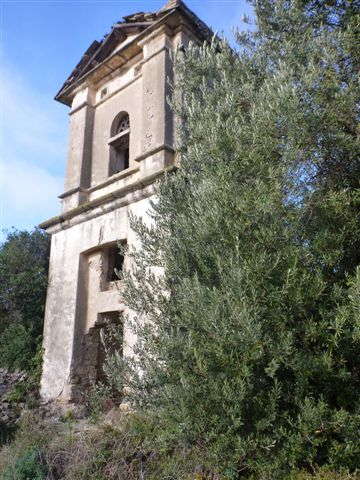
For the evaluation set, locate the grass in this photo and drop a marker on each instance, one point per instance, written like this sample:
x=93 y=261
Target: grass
x=67 y=450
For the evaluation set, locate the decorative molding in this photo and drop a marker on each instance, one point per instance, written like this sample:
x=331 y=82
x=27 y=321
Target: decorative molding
x=163 y=28
x=79 y=107
x=114 y=178
x=166 y=147
x=84 y=208
x=71 y=191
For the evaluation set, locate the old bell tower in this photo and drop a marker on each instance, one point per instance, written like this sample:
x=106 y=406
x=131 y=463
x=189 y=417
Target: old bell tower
x=121 y=140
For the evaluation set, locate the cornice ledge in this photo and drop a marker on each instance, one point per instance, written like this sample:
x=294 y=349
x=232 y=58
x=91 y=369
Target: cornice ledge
x=71 y=191
x=157 y=149
x=81 y=106
x=86 y=207
x=114 y=178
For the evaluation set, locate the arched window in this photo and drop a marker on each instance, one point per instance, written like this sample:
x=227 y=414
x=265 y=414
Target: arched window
x=119 y=143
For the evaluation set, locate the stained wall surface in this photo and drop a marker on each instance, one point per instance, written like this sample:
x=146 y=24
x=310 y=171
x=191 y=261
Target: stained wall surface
x=95 y=206
x=73 y=305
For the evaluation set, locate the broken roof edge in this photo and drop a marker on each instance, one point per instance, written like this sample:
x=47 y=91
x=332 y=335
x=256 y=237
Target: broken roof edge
x=180 y=5
x=96 y=47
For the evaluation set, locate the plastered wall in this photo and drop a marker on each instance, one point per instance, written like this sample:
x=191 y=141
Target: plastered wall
x=72 y=303
x=95 y=208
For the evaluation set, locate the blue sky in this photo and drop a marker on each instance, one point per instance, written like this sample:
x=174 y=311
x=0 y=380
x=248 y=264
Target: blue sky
x=40 y=43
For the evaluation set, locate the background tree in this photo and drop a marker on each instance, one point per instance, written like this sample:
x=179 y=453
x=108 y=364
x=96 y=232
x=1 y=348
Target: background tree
x=24 y=260
x=249 y=355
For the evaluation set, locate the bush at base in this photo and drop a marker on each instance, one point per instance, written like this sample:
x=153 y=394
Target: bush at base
x=128 y=450
x=28 y=466
x=324 y=475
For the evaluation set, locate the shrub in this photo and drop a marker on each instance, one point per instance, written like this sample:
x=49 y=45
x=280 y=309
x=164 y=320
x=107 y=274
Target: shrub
x=99 y=452
x=28 y=467
x=7 y=433
x=99 y=400
x=128 y=450
x=23 y=281
x=248 y=339
x=324 y=475
x=31 y=434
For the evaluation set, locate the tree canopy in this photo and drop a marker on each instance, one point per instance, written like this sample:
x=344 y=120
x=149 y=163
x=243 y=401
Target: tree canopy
x=24 y=260
x=248 y=350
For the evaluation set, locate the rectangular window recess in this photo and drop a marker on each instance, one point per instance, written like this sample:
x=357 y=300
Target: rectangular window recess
x=109 y=318
x=107 y=338
x=119 y=154
x=115 y=262
x=113 y=140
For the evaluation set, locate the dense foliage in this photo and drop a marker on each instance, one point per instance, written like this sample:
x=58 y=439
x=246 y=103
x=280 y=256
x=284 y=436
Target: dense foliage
x=28 y=466
x=63 y=451
x=24 y=260
x=53 y=451
x=247 y=284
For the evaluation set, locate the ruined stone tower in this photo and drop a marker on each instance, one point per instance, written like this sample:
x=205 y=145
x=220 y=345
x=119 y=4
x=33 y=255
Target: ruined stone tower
x=121 y=140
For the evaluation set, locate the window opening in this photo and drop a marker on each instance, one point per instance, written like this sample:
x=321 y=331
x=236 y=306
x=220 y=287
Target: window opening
x=119 y=144
x=115 y=263
x=121 y=124
x=105 y=338
x=119 y=155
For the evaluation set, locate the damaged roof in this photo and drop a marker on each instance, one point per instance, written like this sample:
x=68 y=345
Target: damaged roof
x=130 y=25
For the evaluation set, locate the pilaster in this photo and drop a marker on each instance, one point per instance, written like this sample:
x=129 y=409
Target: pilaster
x=157 y=71
x=78 y=172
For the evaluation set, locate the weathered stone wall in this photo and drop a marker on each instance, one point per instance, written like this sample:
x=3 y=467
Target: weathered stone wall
x=95 y=206
x=74 y=300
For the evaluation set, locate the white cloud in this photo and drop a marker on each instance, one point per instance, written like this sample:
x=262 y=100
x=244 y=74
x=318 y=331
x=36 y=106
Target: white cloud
x=27 y=191
x=33 y=131
x=28 y=118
